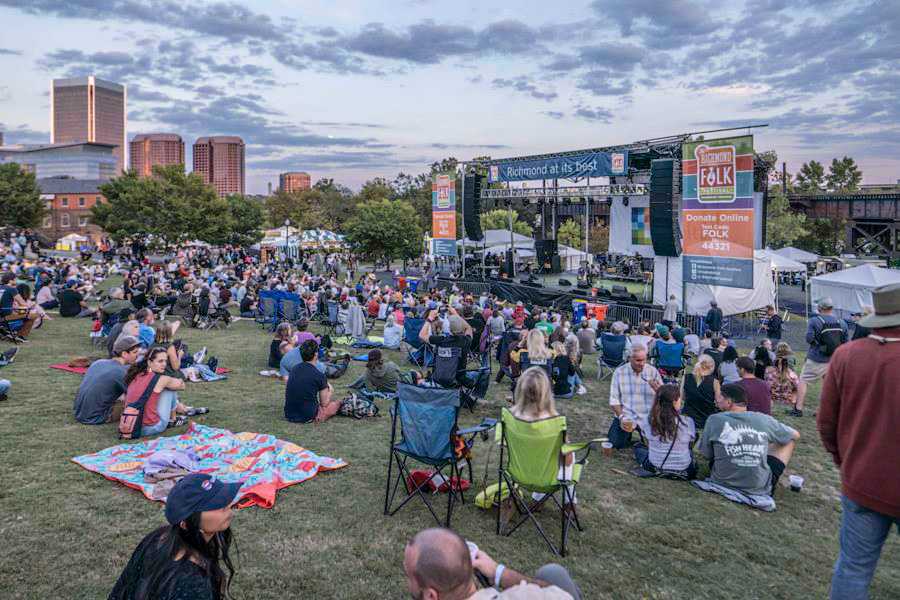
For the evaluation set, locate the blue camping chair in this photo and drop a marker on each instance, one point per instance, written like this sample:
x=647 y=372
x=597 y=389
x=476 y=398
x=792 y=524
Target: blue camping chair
x=267 y=309
x=669 y=359
x=428 y=434
x=420 y=353
x=612 y=354
x=331 y=322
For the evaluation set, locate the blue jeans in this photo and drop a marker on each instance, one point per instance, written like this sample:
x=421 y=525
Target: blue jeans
x=863 y=533
x=617 y=436
x=4 y=386
x=166 y=408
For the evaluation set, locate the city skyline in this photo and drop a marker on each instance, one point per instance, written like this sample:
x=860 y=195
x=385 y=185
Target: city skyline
x=351 y=93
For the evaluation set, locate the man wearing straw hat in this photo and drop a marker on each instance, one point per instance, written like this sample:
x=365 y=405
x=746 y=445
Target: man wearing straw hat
x=858 y=420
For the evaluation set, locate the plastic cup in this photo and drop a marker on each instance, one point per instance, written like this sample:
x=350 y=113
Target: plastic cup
x=626 y=424
x=607 y=448
x=473 y=549
x=796 y=483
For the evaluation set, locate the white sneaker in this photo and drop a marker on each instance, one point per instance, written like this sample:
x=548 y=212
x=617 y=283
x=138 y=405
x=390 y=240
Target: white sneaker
x=199 y=356
x=581 y=390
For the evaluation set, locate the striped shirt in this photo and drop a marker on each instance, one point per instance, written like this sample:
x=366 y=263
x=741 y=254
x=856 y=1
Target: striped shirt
x=632 y=390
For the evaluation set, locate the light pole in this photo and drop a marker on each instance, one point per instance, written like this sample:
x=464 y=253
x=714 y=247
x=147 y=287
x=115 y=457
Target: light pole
x=287 y=224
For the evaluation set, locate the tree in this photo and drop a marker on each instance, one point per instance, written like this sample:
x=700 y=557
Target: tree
x=783 y=226
x=245 y=221
x=385 y=229
x=811 y=177
x=376 y=189
x=843 y=175
x=571 y=234
x=20 y=198
x=598 y=242
x=169 y=208
x=332 y=205
x=499 y=219
x=284 y=205
x=826 y=237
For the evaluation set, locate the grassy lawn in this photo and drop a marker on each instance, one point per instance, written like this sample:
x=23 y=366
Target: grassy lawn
x=67 y=533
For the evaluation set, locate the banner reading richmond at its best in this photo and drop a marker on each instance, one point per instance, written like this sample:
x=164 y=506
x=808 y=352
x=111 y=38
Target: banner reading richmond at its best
x=443 y=214
x=717 y=212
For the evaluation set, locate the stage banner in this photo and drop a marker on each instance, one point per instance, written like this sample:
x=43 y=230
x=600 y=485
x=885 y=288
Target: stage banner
x=591 y=164
x=443 y=213
x=717 y=212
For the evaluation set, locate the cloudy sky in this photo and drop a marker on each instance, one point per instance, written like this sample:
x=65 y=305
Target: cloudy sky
x=353 y=89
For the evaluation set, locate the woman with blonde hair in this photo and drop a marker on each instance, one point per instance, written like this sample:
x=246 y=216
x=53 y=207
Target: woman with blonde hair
x=536 y=344
x=700 y=388
x=783 y=381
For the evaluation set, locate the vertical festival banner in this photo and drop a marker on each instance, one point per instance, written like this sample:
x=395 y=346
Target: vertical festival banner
x=717 y=212
x=443 y=214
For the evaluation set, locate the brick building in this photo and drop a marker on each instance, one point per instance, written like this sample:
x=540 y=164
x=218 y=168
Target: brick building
x=148 y=150
x=69 y=202
x=294 y=181
x=219 y=160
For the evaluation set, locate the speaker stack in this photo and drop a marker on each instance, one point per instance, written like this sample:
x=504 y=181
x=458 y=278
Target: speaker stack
x=472 y=205
x=546 y=253
x=665 y=200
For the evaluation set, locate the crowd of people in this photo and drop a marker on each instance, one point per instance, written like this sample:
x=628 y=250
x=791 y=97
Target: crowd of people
x=718 y=407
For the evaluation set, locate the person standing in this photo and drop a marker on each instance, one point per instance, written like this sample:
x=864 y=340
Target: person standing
x=858 y=420
x=714 y=318
x=774 y=323
x=824 y=334
x=670 y=312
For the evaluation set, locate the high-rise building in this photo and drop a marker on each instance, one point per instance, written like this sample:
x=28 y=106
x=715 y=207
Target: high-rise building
x=148 y=150
x=84 y=160
x=220 y=161
x=87 y=109
x=293 y=181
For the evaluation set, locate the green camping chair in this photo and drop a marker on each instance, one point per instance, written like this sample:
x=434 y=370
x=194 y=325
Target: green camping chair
x=532 y=457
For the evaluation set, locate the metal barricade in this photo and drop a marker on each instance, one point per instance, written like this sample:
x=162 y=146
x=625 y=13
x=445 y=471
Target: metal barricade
x=626 y=314
x=654 y=315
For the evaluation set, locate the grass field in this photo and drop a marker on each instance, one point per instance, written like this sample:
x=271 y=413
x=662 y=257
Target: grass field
x=67 y=533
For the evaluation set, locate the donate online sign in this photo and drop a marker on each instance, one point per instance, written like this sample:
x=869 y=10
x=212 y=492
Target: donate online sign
x=717 y=212
x=591 y=164
x=443 y=214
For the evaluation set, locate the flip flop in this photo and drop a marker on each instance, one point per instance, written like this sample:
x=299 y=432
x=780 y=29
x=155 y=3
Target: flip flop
x=200 y=410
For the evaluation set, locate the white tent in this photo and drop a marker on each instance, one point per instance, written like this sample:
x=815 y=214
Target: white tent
x=797 y=254
x=572 y=257
x=851 y=289
x=500 y=237
x=779 y=262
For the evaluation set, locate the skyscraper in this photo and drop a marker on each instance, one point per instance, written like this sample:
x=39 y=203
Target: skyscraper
x=293 y=182
x=220 y=161
x=148 y=150
x=87 y=109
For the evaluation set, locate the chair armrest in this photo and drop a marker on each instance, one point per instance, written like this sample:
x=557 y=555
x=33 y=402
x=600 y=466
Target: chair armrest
x=485 y=425
x=579 y=446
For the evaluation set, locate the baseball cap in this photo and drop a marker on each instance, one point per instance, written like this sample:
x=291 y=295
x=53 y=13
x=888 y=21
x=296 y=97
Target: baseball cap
x=825 y=303
x=198 y=492
x=125 y=343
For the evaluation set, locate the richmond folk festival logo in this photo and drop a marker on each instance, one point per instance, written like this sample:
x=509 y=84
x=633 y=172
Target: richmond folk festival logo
x=716 y=173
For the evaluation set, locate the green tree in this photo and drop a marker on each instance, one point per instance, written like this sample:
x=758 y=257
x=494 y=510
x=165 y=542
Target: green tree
x=332 y=205
x=283 y=205
x=598 y=242
x=499 y=219
x=385 y=229
x=826 y=237
x=245 y=221
x=376 y=189
x=843 y=175
x=571 y=234
x=811 y=177
x=20 y=198
x=783 y=226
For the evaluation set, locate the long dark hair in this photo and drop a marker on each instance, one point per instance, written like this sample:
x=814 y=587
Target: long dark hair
x=143 y=365
x=663 y=416
x=763 y=359
x=176 y=543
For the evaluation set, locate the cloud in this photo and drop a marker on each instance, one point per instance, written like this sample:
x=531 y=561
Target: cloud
x=8 y=52
x=601 y=115
x=524 y=85
x=22 y=134
x=658 y=24
x=343 y=124
x=601 y=82
x=553 y=114
x=442 y=146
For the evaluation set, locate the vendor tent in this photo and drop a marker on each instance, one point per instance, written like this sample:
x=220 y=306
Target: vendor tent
x=500 y=237
x=851 y=289
x=779 y=262
x=796 y=254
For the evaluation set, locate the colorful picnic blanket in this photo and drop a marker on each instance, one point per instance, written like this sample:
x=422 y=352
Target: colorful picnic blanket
x=262 y=463
x=83 y=370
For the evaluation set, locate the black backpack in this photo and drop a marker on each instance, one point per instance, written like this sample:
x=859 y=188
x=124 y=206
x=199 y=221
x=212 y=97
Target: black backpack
x=830 y=337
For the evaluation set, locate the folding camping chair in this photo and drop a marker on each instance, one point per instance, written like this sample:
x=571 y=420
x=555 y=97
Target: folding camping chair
x=267 y=310
x=9 y=330
x=669 y=359
x=612 y=354
x=532 y=459
x=428 y=435
x=419 y=352
x=292 y=308
x=330 y=321
x=446 y=374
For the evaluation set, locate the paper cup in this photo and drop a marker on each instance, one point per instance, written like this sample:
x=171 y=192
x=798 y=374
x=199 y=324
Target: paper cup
x=607 y=448
x=796 y=483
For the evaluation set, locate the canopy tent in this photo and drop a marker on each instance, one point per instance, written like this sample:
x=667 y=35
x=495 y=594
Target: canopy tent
x=780 y=263
x=71 y=242
x=500 y=237
x=572 y=257
x=851 y=289
x=496 y=241
x=796 y=254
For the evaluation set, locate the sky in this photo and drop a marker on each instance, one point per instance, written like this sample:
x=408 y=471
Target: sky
x=357 y=89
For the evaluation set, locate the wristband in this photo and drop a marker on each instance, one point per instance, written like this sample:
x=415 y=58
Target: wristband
x=498 y=575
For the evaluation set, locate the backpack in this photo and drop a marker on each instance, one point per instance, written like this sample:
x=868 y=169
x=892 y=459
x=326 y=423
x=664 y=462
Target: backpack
x=830 y=337
x=133 y=415
x=357 y=407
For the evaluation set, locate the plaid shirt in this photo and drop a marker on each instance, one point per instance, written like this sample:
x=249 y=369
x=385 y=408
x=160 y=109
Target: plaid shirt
x=632 y=390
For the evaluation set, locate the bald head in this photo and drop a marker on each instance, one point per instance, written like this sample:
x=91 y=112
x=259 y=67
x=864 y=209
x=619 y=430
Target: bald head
x=438 y=565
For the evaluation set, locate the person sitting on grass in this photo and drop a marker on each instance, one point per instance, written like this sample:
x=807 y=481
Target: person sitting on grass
x=783 y=381
x=440 y=565
x=670 y=436
x=72 y=304
x=162 y=410
x=747 y=451
x=104 y=384
x=13 y=307
x=146 y=332
x=699 y=388
x=117 y=303
x=185 y=558
x=393 y=333
x=281 y=344
x=631 y=395
x=759 y=397
x=563 y=370
x=307 y=396
x=728 y=370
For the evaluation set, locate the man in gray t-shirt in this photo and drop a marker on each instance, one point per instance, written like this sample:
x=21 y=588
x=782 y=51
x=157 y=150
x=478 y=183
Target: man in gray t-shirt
x=104 y=383
x=737 y=443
